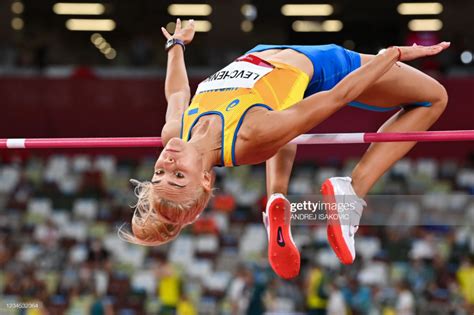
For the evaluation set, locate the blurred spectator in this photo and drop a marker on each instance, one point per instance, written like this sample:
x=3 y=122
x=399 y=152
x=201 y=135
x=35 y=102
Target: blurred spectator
x=420 y=274
x=405 y=304
x=101 y=306
x=465 y=276
x=336 y=304
x=358 y=297
x=186 y=307
x=5 y=251
x=239 y=291
x=169 y=288
x=283 y=296
x=257 y=287
x=47 y=234
x=316 y=296
x=97 y=254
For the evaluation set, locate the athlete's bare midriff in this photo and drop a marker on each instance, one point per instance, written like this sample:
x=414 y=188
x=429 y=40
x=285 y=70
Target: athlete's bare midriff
x=288 y=56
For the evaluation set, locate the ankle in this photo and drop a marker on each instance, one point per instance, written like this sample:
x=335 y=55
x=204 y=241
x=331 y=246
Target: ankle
x=283 y=190
x=358 y=185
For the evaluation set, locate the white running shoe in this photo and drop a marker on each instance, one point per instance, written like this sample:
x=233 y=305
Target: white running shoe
x=283 y=254
x=339 y=193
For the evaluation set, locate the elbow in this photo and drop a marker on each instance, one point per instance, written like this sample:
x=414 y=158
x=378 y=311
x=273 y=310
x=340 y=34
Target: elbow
x=186 y=91
x=187 y=95
x=183 y=92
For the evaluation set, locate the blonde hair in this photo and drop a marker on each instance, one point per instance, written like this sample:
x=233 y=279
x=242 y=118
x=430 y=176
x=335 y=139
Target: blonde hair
x=157 y=220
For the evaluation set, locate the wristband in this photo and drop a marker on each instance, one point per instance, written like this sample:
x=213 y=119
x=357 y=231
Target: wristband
x=173 y=41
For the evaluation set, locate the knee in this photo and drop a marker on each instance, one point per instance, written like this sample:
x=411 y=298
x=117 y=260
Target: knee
x=288 y=149
x=440 y=99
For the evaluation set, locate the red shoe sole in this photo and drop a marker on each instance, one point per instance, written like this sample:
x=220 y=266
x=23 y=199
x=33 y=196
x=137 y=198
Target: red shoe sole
x=283 y=255
x=334 y=232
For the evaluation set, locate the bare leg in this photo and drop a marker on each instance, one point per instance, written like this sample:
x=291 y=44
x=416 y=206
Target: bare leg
x=283 y=254
x=400 y=85
x=278 y=170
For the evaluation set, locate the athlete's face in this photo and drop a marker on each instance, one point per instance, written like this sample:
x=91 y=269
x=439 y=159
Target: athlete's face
x=178 y=171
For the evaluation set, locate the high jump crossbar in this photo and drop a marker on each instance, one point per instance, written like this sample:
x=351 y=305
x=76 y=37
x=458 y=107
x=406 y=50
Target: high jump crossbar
x=321 y=138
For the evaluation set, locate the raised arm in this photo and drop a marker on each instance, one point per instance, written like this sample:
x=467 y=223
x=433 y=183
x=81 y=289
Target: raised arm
x=177 y=89
x=316 y=108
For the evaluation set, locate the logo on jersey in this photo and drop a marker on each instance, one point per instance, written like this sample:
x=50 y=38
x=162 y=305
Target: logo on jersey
x=232 y=105
x=193 y=111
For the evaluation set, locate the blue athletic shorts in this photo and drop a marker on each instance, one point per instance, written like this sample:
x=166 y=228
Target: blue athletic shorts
x=331 y=64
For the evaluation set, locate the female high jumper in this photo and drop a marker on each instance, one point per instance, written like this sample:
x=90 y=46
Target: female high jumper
x=249 y=111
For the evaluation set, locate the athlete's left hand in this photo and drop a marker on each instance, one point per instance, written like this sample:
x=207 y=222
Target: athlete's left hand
x=414 y=52
x=185 y=34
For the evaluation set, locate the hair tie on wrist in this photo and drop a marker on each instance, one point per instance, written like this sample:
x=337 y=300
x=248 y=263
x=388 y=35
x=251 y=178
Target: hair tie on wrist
x=399 y=52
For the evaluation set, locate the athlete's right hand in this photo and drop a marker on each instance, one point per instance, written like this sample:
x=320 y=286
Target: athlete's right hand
x=185 y=34
x=414 y=52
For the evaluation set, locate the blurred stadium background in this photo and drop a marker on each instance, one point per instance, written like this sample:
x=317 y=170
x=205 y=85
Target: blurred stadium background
x=69 y=70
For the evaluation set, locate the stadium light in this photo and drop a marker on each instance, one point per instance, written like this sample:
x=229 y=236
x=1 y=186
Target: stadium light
x=307 y=9
x=420 y=8
x=310 y=26
x=90 y=25
x=111 y=54
x=107 y=50
x=332 y=26
x=17 y=24
x=418 y=25
x=190 y=9
x=103 y=46
x=97 y=39
x=63 y=8
x=17 y=7
x=246 y=26
x=249 y=11
x=202 y=25
x=466 y=57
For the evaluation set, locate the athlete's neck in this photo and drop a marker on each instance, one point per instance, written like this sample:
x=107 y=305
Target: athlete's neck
x=206 y=138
